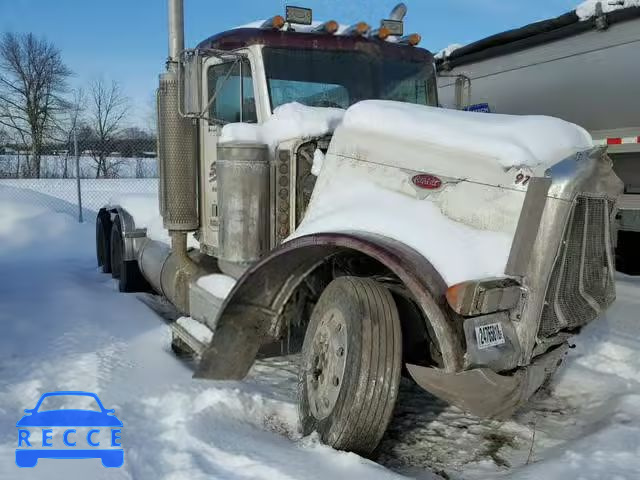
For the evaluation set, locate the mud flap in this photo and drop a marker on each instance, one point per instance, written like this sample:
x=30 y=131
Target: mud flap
x=485 y=393
x=235 y=344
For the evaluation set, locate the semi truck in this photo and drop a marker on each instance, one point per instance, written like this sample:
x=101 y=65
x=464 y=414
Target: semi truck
x=582 y=67
x=366 y=231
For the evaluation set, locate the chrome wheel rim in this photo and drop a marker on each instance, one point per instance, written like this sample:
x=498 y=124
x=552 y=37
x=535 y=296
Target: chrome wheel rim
x=326 y=364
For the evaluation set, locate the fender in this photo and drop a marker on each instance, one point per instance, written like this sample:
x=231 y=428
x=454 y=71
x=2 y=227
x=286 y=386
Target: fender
x=130 y=233
x=247 y=316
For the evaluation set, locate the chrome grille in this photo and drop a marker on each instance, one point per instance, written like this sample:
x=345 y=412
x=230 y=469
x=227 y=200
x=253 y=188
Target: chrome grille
x=582 y=283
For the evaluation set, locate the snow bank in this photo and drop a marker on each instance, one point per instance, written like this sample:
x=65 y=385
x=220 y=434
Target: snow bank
x=448 y=50
x=343 y=202
x=291 y=120
x=217 y=284
x=587 y=9
x=513 y=140
x=145 y=210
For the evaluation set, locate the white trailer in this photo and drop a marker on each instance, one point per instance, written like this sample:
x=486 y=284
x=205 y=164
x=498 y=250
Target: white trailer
x=582 y=67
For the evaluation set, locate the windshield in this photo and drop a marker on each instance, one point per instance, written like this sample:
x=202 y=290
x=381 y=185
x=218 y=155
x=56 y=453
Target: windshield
x=324 y=78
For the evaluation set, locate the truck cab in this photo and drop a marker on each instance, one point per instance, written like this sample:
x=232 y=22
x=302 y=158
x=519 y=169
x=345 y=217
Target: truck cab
x=352 y=221
x=246 y=73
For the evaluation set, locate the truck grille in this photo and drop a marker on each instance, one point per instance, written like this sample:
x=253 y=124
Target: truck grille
x=582 y=283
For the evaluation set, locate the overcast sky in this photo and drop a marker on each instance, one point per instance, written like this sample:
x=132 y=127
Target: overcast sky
x=125 y=40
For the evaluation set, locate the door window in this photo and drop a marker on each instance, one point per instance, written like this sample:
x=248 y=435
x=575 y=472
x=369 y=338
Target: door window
x=232 y=85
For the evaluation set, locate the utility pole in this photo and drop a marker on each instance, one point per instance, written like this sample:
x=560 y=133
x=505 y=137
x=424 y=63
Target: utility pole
x=75 y=151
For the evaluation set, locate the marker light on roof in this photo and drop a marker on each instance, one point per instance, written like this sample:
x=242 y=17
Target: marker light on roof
x=358 y=29
x=382 y=33
x=411 y=40
x=274 y=23
x=329 y=27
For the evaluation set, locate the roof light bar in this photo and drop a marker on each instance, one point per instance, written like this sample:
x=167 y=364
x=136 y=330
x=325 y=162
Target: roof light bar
x=358 y=29
x=411 y=40
x=274 y=23
x=329 y=27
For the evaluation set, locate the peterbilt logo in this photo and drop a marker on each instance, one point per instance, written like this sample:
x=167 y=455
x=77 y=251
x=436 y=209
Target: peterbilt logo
x=426 y=181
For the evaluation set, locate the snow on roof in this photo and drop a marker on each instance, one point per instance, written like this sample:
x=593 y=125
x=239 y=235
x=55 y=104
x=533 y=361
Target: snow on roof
x=291 y=120
x=512 y=140
x=297 y=28
x=587 y=9
x=446 y=51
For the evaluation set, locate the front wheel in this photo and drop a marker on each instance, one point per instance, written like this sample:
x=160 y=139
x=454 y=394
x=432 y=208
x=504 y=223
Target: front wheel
x=351 y=363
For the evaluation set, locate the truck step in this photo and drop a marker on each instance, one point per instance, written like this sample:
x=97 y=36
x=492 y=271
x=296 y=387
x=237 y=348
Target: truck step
x=190 y=337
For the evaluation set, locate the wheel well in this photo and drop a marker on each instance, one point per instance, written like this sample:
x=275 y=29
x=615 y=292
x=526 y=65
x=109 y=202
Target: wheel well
x=268 y=297
x=418 y=341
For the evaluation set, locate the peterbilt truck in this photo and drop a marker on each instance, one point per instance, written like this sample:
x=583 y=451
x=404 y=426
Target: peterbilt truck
x=368 y=231
x=583 y=67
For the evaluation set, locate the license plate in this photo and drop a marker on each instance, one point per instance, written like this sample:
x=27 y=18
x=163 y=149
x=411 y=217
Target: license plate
x=489 y=335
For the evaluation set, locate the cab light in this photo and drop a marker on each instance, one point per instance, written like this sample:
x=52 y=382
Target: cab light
x=382 y=33
x=274 y=23
x=329 y=27
x=358 y=29
x=411 y=40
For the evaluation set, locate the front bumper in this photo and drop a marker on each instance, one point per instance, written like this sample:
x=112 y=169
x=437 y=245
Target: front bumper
x=483 y=392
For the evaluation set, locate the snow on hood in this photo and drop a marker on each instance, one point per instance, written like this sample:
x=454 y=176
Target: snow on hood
x=587 y=9
x=512 y=140
x=345 y=200
x=291 y=120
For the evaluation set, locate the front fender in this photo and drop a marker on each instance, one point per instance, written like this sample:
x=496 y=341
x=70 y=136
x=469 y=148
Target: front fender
x=247 y=316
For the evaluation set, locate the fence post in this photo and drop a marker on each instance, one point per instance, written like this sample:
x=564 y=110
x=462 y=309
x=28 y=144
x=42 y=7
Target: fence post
x=75 y=151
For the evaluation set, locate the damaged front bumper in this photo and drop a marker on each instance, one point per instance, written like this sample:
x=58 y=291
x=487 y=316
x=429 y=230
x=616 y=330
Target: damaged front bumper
x=483 y=392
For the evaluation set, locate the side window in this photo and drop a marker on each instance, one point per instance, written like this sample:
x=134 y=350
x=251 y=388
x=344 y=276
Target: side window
x=235 y=101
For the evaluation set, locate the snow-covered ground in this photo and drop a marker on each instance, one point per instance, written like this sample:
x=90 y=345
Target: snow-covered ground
x=65 y=326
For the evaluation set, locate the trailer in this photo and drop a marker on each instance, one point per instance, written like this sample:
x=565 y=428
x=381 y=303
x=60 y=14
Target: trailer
x=319 y=202
x=582 y=67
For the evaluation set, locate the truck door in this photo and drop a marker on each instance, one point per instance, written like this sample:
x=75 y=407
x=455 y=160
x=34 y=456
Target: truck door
x=229 y=93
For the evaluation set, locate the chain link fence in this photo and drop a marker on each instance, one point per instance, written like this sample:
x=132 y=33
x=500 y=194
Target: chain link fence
x=84 y=177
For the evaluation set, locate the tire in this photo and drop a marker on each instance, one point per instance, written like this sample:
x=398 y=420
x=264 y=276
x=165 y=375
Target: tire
x=127 y=273
x=103 y=238
x=351 y=364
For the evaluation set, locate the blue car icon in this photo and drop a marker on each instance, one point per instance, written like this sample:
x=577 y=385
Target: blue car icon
x=28 y=457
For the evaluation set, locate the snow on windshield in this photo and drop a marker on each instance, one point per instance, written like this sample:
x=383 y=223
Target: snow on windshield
x=512 y=140
x=292 y=120
x=587 y=9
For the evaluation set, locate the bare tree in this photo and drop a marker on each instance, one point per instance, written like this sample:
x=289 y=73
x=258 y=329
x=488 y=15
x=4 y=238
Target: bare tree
x=69 y=124
x=33 y=79
x=108 y=109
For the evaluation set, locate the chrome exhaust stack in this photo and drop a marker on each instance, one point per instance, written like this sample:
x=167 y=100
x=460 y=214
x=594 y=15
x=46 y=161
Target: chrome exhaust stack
x=177 y=166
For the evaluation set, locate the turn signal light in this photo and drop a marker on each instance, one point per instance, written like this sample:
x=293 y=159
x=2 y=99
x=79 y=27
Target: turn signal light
x=275 y=23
